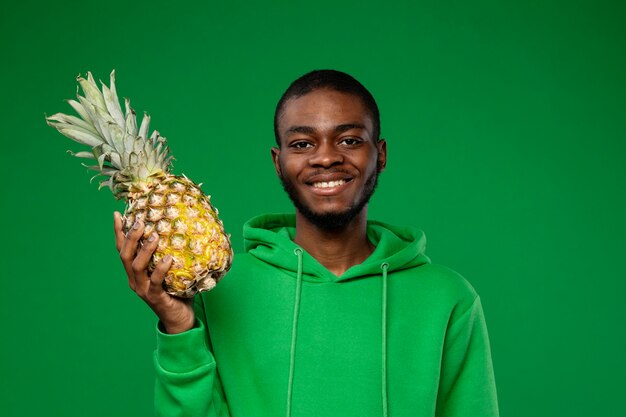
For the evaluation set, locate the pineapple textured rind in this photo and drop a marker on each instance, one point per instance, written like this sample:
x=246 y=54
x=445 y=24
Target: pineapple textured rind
x=137 y=169
x=189 y=231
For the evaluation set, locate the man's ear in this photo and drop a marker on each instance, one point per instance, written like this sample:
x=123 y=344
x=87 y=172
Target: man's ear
x=275 y=155
x=382 y=154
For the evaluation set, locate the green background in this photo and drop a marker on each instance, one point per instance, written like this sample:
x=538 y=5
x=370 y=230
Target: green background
x=506 y=128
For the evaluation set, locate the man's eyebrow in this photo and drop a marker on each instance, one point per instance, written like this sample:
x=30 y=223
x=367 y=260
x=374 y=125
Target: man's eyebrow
x=301 y=129
x=338 y=129
x=349 y=126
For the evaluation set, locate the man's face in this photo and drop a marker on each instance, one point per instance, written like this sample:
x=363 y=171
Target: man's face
x=328 y=160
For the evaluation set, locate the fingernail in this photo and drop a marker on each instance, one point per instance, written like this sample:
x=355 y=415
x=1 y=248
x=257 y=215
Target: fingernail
x=152 y=237
x=137 y=224
x=167 y=258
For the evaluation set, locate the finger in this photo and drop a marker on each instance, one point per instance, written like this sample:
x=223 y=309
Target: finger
x=130 y=242
x=129 y=249
x=141 y=262
x=118 y=228
x=158 y=276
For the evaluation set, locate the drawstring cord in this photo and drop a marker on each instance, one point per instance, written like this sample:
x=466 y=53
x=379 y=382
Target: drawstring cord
x=294 y=330
x=384 y=266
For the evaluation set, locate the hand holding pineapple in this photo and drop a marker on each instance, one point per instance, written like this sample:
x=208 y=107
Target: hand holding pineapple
x=176 y=314
x=136 y=168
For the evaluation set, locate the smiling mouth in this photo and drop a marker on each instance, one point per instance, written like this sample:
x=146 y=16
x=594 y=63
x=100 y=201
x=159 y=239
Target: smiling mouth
x=329 y=184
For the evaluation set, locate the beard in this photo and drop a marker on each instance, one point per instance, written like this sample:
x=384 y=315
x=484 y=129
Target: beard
x=332 y=221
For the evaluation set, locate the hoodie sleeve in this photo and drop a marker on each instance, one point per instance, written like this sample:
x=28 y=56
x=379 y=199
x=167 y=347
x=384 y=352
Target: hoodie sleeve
x=187 y=382
x=467 y=385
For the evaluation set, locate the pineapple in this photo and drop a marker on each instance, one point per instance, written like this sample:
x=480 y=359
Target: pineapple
x=137 y=169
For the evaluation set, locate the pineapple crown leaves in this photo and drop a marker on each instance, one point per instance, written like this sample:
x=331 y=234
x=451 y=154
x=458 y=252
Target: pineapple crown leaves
x=124 y=153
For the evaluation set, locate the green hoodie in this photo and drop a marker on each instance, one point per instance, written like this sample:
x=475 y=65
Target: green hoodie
x=283 y=336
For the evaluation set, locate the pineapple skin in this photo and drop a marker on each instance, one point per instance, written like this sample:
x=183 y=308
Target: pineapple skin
x=136 y=168
x=189 y=230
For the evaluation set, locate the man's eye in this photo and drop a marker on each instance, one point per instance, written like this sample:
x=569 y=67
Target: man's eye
x=300 y=145
x=351 y=141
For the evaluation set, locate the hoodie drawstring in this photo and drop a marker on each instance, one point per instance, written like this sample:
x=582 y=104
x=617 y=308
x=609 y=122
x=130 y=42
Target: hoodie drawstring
x=294 y=330
x=384 y=266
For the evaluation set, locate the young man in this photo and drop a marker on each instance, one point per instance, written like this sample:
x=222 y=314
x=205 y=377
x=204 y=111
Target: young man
x=327 y=314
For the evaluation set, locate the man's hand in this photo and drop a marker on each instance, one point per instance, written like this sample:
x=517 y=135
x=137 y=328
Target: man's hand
x=176 y=314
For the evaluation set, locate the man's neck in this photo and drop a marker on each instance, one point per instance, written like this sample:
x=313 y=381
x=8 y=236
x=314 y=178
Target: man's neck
x=338 y=249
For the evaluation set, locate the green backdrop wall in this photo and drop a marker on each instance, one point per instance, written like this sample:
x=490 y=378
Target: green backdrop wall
x=506 y=128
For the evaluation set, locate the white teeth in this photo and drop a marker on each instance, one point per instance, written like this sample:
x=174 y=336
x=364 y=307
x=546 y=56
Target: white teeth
x=328 y=184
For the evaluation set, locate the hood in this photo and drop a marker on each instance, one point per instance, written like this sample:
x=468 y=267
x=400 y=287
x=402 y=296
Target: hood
x=269 y=237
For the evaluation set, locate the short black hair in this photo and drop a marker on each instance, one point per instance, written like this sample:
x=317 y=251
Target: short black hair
x=331 y=80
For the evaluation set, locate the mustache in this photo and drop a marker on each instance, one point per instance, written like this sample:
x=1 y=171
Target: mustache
x=326 y=171
x=338 y=170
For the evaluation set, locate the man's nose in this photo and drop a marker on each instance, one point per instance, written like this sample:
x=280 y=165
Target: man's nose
x=326 y=155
